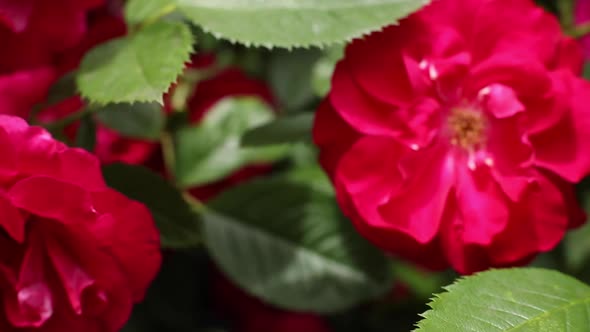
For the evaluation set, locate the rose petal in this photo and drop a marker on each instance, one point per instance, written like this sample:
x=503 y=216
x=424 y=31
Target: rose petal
x=561 y=149
x=484 y=209
x=417 y=209
x=339 y=137
x=16 y=13
x=11 y=220
x=361 y=112
x=129 y=234
x=50 y=198
x=32 y=303
x=537 y=224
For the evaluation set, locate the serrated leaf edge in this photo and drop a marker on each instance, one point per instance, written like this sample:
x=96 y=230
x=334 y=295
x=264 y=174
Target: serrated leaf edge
x=320 y=44
x=188 y=53
x=447 y=289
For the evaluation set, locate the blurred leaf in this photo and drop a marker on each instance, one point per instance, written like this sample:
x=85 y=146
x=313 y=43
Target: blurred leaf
x=295 y=23
x=304 y=154
x=511 y=300
x=287 y=129
x=64 y=88
x=138 y=11
x=139 y=67
x=139 y=120
x=290 y=77
x=312 y=176
x=177 y=223
x=421 y=283
x=211 y=150
x=586 y=72
x=577 y=248
x=86 y=136
x=576 y=244
x=289 y=244
x=324 y=69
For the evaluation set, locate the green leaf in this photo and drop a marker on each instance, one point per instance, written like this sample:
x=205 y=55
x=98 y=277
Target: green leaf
x=324 y=69
x=586 y=73
x=312 y=176
x=421 y=283
x=289 y=244
x=139 y=120
x=86 y=136
x=139 y=11
x=139 y=67
x=515 y=300
x=64 y=88
x=293 y=23
x=211 y=150
x=288 y=129
x=290 y=75
x=177 y=223
x=576 y=247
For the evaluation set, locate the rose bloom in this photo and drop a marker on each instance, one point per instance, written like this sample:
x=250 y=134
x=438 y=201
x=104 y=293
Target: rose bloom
x=582 y=15
x=76 y=254
x=34 y=33
x=455 y=137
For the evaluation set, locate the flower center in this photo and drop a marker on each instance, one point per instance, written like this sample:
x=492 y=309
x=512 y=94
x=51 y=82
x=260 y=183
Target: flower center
x=467 y=127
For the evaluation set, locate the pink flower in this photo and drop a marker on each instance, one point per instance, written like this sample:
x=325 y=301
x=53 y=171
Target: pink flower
x=76 y=254
x=455 y=137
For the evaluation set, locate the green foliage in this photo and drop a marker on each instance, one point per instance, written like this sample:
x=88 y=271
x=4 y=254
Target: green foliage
x=139 y=120
x=287 y=129
x=312 y=176
x=293 y=23
x=86 y=136
x=177 y=223
x=139 y=67
x=289 y=244
x=576 y=247
x=290 y=75
x=64 y=88
x=210 y=150
x=511 y=300
x=422 y=283
x=139 y=11
x=323 y=70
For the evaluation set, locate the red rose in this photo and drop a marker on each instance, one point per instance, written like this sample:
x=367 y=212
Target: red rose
x=110 y=146
x=47 y=27
x=21 y=90
x=249 y=314
x=34 y=33
x=582 y=15
x=76 y=254
x=453 y=138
